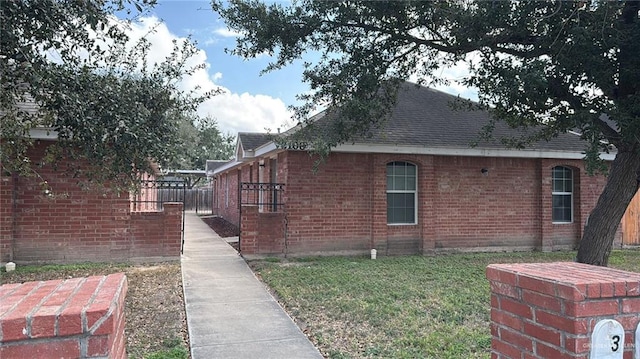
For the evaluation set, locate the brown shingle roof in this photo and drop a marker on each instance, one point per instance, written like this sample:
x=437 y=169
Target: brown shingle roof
x=250 y=141
x=425 y=117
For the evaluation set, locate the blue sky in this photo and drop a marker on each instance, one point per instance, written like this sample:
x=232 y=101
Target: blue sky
x=195 y=18
x=252 y=102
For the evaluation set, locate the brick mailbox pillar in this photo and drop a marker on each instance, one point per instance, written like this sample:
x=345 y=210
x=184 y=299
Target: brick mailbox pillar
x=74 y=318
x=549 y=310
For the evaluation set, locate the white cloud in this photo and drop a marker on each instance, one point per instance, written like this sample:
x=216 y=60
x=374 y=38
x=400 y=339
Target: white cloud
x=234 y=112
x=224 y=32
x=246 y=113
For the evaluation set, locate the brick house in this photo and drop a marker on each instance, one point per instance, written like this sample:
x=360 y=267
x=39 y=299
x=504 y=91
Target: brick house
x=75 y=224
x=415 y=186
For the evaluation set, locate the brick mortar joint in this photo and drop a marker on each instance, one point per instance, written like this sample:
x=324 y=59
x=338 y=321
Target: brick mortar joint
x=66 y=303
x=34 y=310
x=115 y=304
x=44 y=340
x=17 y=303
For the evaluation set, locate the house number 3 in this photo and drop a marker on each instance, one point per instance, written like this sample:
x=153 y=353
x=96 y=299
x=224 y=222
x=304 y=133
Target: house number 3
x=607 y=340
x=615 y=343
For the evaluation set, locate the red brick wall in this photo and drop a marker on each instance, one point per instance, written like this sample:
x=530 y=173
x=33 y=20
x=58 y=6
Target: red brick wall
x=342 y=207
x=6 y=217
x=226 y=200
x=458 y=206
x=75 y=224
x=226 y=195
x=75 y=318
x=156 y=234
x=474 y=210
x=262 y=233
x=549 y=310
x=329 y=211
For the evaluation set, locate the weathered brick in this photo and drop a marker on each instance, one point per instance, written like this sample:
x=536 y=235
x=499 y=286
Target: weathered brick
x=547 y=302
x=501 y=276
x=561 y=325
x=99 y=346
x=506 y=319
x=542 y=333
x=592 y=308
x=516 y=339
x=630 y=305
x=548 y=351
x=69 y=228
x=100 y=299
x=517 y=308
x=505 y=348
x=577 y=326
x=69 y=348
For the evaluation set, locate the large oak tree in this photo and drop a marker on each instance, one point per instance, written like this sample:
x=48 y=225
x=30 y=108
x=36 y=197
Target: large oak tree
x=548 y=66
x=69 y=67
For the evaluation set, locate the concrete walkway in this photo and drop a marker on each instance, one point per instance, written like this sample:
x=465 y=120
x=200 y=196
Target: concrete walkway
x=230 y=314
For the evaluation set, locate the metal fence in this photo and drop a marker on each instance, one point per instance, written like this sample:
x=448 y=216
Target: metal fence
x=151 y=194
x=268 y=196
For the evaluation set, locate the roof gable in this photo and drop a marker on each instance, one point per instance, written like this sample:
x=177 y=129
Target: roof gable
x=250 y=141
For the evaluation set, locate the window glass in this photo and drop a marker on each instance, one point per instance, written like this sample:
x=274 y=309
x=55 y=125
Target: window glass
x=562 y=194
x=401 y=193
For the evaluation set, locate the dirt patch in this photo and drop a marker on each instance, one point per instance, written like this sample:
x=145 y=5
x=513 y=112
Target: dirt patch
x=224 y=228
x=154 y=307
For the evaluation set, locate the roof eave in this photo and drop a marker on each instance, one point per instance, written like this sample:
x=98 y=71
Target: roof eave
x=471 y=152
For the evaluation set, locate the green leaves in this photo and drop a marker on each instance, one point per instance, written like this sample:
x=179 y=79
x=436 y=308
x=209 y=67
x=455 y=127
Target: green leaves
x=71 y=67
x=199 y=140
x=561 y=64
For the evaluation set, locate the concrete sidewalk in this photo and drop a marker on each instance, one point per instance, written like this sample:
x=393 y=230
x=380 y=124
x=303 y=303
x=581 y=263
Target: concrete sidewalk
x=230 y=313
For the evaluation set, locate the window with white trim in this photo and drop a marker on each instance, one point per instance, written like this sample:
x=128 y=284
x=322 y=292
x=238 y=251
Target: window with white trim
x=562 y=194
x=401 y=193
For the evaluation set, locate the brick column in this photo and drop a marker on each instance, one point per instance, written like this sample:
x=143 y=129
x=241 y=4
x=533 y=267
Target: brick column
x=75 y=318
x=172 y=221
x=549 y=310
x=249 y=229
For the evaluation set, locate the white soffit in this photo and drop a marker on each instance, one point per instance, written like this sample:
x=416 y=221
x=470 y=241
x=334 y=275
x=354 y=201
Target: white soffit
x=471 y=152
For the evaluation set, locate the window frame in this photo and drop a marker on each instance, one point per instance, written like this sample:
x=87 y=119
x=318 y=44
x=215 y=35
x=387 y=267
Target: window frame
x=562 y=193
x=414 y=192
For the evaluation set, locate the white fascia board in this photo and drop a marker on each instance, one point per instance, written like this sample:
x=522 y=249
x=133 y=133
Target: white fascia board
x=226 y=167
x=471 y=152
x=43 y=133
x=266 y=149
x=263 y=150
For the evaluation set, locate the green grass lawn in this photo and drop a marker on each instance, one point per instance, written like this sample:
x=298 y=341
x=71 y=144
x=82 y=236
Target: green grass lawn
x=398 y=307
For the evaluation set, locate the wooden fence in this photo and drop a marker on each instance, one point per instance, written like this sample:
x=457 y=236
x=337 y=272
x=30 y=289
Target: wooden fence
x=631 y=223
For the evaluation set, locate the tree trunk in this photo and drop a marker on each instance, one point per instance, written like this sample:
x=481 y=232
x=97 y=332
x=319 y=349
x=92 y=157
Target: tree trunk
x=603 y=222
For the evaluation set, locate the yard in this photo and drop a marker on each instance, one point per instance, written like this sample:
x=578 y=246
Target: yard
x=154 y=308
x=398 y=307
x=351 y=307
